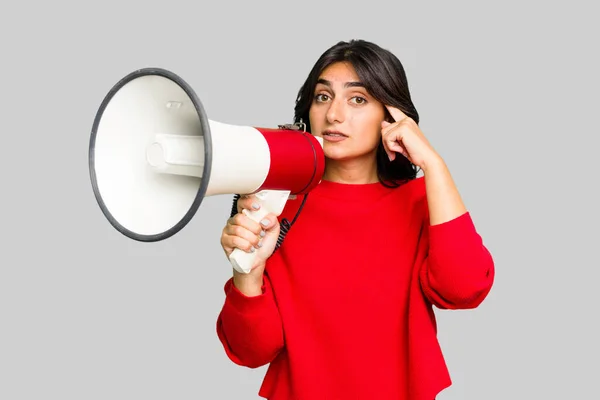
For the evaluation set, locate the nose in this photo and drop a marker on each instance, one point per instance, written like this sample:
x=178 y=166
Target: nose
x=336 y=112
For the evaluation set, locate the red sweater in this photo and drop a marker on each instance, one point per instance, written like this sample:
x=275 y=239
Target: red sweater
x=346 y=309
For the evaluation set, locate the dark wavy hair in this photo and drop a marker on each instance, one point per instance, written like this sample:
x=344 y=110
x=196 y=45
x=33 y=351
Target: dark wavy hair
x=385 y=79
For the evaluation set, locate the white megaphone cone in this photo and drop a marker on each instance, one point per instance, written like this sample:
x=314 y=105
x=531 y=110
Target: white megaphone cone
x=154 y=156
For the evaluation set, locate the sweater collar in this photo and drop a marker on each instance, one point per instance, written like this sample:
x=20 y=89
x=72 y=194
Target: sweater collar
x=364 y=191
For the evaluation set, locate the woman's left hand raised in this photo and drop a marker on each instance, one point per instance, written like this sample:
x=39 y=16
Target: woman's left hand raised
x=405 y=137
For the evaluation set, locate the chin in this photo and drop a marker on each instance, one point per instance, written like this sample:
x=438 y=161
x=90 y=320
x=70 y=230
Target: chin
x=332 y=151
x=338 y=155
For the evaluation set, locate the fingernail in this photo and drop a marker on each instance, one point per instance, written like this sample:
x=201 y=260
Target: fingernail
x=265 y=222
x=256 y=206
x=260 y=243
x=262 y=233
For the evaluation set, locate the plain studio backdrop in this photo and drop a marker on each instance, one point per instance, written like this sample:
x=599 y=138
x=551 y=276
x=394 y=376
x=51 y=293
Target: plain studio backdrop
x=508 y=95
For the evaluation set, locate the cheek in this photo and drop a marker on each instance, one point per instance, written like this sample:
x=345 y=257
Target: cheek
x=314 y=117
x=371 y=126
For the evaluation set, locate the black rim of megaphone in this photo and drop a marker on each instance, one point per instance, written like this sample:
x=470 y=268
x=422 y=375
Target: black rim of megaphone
x=207 y=154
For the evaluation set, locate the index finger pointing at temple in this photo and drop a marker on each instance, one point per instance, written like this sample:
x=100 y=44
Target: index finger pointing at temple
x=396 y=113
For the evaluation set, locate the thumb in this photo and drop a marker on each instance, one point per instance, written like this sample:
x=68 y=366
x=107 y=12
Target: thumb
x=269 y=223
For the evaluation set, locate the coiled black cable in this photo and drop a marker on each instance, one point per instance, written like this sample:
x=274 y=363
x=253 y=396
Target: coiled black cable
x=285 y=225
x=234 y=205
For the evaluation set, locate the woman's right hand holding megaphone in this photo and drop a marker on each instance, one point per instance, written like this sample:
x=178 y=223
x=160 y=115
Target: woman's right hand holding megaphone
x=250 y=236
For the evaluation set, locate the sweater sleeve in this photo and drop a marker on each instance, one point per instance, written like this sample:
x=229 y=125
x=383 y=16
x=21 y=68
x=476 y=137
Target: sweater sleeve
x=250 y=328
x=458 y=271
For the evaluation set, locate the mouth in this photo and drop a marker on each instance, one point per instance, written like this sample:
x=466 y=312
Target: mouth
x=332 y=133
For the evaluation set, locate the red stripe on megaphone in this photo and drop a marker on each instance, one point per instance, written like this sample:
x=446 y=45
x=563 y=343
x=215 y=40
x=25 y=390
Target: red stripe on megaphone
x=297 y=160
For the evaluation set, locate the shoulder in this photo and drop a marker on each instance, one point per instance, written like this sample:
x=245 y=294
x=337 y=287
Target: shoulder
x=416 y=186
x=412 y=190
x=411 y=199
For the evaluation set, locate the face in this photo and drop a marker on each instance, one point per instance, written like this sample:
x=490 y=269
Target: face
x=345 y=115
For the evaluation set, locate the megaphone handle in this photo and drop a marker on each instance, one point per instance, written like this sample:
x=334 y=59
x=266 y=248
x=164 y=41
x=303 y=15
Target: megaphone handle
x=271 y=202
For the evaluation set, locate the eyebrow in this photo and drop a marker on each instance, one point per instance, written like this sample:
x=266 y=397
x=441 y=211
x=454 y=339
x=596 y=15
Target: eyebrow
x=346 y=85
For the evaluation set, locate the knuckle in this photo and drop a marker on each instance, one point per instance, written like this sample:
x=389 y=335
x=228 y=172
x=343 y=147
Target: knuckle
x=244 y=245
x=237 y=218
x=238 y=231
x=256 y=228
x=238 y=242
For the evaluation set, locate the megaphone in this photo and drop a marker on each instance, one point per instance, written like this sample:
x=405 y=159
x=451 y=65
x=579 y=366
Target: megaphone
x=154 y=156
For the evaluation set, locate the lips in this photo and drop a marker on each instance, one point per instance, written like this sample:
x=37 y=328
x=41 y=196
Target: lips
x=332 y=133
x=332 y=136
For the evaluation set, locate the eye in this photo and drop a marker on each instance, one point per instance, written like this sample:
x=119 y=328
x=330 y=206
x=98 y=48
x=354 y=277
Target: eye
x=359 y=100
x=321 y=97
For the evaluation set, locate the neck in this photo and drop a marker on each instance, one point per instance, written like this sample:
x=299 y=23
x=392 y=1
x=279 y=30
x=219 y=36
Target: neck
x=355 y=171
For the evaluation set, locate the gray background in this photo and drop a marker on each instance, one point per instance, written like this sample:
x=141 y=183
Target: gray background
x=508 y=94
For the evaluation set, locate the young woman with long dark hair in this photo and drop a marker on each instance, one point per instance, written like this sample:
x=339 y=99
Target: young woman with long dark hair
x=343 y=309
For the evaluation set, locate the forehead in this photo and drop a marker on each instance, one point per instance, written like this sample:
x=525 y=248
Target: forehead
x=340 y=72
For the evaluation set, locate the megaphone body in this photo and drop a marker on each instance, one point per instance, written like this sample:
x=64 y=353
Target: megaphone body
x=154 y=155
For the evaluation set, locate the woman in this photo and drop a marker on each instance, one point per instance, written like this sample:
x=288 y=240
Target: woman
x=343 y=309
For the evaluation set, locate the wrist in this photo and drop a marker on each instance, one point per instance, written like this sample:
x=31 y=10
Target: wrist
x=433 y=163
x=249 y=284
